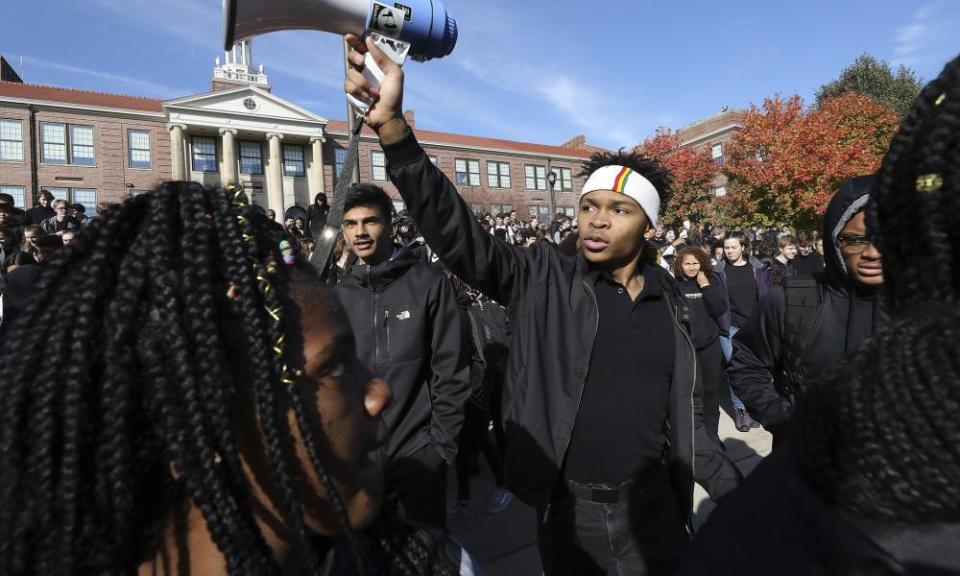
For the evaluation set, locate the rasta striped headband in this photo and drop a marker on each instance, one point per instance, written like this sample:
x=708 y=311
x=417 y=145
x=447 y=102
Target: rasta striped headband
x=623 y=180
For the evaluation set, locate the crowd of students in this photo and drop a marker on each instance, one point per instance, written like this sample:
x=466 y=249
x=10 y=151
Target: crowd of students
x=208 y=404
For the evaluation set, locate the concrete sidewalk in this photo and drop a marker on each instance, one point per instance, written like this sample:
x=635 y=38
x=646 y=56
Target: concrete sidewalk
x=505 y=544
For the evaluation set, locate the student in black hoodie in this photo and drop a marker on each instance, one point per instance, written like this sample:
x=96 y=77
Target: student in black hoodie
x=799 y=332
x=710 y=314
x=409 y=332
x=602 y=408
x=874 y=488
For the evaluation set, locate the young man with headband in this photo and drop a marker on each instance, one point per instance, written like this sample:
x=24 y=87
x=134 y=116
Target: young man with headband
x=601 y=405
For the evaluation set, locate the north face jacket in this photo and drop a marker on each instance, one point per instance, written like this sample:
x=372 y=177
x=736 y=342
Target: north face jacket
x=409 y=332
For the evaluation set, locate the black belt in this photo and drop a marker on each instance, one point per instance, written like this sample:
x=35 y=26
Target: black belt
x=600 y=493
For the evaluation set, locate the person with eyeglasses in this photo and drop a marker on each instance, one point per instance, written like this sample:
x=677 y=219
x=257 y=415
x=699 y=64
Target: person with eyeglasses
x=800 y=331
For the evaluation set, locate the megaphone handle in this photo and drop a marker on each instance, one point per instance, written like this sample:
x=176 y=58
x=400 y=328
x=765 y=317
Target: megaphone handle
x=374 y=75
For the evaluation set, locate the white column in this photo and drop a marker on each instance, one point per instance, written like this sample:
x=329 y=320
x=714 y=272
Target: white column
x=315 y=180
x=229 y=173
x=178 y=163
x=275 y=174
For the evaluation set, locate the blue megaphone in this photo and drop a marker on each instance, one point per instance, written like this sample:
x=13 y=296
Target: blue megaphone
x=425 y=25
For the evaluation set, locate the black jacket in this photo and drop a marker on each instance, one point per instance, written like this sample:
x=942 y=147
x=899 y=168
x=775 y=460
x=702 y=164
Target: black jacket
x=847 y=316
x=793 y=531
x=554 y=317
x=409 y=332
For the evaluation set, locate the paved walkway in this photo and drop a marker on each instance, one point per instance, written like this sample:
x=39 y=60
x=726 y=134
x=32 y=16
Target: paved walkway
x=505 y=544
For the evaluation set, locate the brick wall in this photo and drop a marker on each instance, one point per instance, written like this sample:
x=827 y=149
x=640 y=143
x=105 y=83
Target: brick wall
x=111 y=175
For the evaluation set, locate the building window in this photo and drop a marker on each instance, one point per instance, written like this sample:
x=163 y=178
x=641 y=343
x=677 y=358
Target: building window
x=85 y=196
x=564 y=180
x=19 y=198
x=53 y=141
x=339 y=159
x=498 y=174
x=55 y=145
x=536 y=177
x=720 y=191
x=434 y=161
x=251 y=158
x=134 y=193
x=398 y=206
x=378 y=163
x=541 y=213
x=204 y=154
x=293 y=164
x=498 y=209
x=139 y=143
x=468 y=172
x=81 y=145
x=11 y=140
x=569 y=211
x=716 y=152
x=59 y=193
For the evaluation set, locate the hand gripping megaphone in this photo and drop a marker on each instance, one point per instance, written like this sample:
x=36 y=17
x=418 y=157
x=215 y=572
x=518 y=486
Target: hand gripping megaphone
x=422 y=29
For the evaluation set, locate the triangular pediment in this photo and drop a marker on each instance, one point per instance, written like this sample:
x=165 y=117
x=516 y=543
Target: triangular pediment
x=247 y=102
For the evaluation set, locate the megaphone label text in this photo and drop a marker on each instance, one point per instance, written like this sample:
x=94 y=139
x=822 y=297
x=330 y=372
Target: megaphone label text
x=387 y=20
x=407 y=11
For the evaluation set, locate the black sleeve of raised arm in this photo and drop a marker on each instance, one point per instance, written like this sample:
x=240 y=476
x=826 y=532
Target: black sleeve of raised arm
x=756 y=355
x=450 y=227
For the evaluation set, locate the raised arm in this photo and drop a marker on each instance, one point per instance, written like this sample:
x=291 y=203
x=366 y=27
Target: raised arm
x=444 y=219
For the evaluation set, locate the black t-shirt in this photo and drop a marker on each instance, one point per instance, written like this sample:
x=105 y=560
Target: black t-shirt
x=620 y=426
x=742 y=288
x=808 y=265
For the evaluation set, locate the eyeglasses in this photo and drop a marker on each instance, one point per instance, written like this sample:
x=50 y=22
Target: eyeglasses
x=853 y=244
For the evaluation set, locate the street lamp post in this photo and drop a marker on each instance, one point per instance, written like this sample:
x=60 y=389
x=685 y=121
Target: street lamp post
x=552 y=179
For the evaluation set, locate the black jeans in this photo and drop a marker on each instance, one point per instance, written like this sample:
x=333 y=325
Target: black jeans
x=641 y=534
x=419 y=483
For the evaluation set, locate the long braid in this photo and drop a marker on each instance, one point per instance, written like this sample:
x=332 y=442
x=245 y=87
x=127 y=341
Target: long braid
x=882 y=439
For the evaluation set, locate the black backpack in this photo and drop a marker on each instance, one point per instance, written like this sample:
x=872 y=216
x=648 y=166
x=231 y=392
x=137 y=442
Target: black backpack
x=490 y=329
x=804 y=298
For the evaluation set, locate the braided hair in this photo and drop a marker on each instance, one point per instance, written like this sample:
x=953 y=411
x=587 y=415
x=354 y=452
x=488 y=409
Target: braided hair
x=881 y=436
x=117 y=415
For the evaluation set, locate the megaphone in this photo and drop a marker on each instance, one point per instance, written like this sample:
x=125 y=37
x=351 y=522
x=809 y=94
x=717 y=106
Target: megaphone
x=425 y=25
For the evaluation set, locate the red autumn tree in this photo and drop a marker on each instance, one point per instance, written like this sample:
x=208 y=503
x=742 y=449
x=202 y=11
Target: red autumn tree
x=693 y=172
x=786 y=161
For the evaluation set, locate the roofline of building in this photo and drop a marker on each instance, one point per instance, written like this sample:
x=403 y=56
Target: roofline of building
x=423 y=138
x=74 y=106
x=265 y=93
x=708 y=119
x=709 y=135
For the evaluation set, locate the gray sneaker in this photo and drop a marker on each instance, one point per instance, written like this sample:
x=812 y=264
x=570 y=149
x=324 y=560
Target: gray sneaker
x=499 y=501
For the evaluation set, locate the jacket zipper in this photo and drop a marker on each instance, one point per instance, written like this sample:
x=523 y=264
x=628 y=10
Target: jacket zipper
x=596 y=328
x=386 y=328
x=693 y=454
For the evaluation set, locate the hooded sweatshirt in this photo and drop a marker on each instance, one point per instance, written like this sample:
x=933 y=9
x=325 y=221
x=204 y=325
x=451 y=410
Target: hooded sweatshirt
x=847 y=315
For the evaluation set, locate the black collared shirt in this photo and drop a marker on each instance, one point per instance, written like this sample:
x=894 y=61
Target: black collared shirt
x=620 y=426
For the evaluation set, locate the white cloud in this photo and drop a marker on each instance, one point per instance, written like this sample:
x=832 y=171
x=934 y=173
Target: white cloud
x=915 y=42
x=144 y=87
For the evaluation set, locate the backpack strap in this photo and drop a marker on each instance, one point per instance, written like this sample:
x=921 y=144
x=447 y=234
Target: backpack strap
x=803 y=296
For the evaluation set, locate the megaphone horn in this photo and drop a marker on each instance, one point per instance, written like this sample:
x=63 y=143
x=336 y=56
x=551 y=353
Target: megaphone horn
x=425 y=25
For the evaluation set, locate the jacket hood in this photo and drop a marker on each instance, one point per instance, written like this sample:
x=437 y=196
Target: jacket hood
x=382 y=275
x=846 y=203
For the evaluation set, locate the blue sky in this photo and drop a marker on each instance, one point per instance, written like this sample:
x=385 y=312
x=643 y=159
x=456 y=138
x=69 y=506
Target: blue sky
x=530 y=70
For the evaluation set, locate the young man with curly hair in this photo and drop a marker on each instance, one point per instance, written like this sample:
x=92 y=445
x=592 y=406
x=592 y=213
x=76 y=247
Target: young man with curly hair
x=601 y=406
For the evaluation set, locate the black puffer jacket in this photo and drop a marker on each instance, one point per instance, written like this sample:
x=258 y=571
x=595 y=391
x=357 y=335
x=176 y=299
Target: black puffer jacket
x=848 y=315
x=554 y=318
x=408 y=330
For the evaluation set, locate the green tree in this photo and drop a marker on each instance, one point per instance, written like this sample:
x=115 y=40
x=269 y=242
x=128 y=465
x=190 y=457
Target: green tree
x=873 y=77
